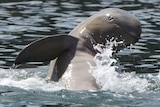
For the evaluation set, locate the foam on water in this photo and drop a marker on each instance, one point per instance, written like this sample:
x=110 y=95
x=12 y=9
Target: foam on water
x=26 y=79
x=106 y=73
x=108 y=76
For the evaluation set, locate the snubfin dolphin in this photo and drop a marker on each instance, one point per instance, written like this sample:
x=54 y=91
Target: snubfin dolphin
x=71 y=52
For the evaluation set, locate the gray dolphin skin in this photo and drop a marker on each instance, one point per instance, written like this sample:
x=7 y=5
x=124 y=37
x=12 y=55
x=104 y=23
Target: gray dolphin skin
x=69 y=53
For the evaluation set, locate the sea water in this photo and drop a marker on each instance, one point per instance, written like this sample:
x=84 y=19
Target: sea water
x=29 y=86
x=124 y=83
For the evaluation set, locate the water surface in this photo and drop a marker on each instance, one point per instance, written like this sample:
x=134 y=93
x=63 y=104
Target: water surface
x=23 y=21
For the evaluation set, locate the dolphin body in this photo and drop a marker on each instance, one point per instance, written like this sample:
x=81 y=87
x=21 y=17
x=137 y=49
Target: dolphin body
x=71 y=52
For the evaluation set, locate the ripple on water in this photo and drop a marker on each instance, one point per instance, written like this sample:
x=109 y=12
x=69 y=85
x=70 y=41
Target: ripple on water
x=21 y=22
x=155 y=56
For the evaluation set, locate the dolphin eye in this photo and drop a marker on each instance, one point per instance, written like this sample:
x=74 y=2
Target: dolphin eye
x=110 y=18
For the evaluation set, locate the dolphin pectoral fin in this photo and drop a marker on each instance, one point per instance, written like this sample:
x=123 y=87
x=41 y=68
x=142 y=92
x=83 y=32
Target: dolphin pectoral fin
x=59 y=66
x=46 y=49
x=52 y=72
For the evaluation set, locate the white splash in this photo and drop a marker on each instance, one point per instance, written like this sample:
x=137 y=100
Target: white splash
x=107 y=75
x=26 y=79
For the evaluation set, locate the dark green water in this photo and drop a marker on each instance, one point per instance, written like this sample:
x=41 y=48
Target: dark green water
x=22 y=21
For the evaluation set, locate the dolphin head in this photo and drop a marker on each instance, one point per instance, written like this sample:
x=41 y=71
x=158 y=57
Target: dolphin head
x=114 y=23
